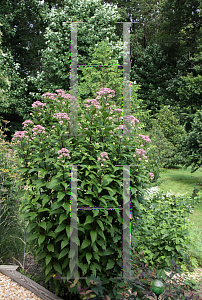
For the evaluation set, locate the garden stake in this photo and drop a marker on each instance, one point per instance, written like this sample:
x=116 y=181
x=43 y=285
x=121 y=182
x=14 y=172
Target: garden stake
x=157 y=287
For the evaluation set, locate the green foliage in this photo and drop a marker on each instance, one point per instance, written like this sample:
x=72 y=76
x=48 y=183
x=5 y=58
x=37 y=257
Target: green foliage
x=3 y=80
x=190 y=90
x=47 y=207
x=23 y=28
x=94 y=78
x=166 y=134
x=169 y=125
x=191 y=144
x=139 y=284
x=98 y=25
x=105 y=74
x=152 y=72
x=179 y=28
x=163 y=234
x=11 y=227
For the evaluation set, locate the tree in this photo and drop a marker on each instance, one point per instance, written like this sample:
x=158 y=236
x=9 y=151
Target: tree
x=13 y=89
x=98 y=25
x=190 y=90
x=152 y=71
x=166 y=134
x=145 y=14
x=191 y=145
x=56 y=60
x=23 y=27
x=179 y=28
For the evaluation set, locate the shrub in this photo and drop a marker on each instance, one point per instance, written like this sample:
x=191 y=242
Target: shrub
x=163 y=233
x=166 y=134
x=47 y=208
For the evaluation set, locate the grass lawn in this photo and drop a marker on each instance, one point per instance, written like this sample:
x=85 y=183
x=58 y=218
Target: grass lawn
x=182 y=181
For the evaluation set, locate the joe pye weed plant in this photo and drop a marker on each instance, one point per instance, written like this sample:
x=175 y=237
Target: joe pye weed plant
x=48 y=152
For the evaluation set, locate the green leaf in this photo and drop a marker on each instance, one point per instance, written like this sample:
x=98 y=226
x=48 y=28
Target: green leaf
x=102 y=234
x=42 y=255
x=101 y=224
x=48 y=268
x=110 y=264
x=85 y=244
x=97 y=257
x=93 y=236
x=48 y=259
x=60 y=228
x=42 y=224
x=32 y=215
x=66 y=207
x=45 y=200
x=102 y=245
x=178 y=248
x=133 y=190
x=41 y=239
x=43 y=209
x=60 y=195
x=60 y=237
x=50 y=247
x=55 y=205
x=68 y=230
x=106 y=179
x=95 y=212
x=88 y=257
x=32 y=237
x=64 y=243
x=103 y=201
x=64 y=184
x=42 y=173
x=65 y=263
x=63 y=253
x=52 y=184
x=93 y=268
x=31 y=226
x=62 y=218
x=89 y=219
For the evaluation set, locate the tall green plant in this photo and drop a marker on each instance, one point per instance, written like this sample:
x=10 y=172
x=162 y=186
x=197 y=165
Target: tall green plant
x=48 y=152
x=107 y=73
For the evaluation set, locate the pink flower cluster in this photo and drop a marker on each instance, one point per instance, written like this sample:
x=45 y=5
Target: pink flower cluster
x=103 y=154
x=132 y=119
x=151 y=175
x=145 y=138
x=38 y=103
x=93 y=102
x=38 y=129
x=103 y=91
x=121 y=127
x=141 y=152
x=60 y=116
x=27 y=122
x=19 y=134
x=64 y=152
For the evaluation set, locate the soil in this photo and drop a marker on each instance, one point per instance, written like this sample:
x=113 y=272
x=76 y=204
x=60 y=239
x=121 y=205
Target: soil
x=34 y=271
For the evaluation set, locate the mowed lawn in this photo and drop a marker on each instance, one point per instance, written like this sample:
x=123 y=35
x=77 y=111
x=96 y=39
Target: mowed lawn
x=179 y=180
